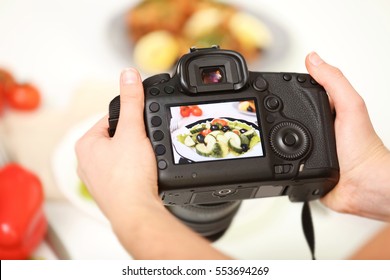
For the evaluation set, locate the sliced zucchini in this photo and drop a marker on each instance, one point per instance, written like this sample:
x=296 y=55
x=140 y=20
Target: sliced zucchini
x=222 y=139
x=244 y=139
x=216 y=151
x=197 y=128
x=254 y=140
x=224 y=148
x=215 y=133
x=250 y=133
x=189 y=142
x=235 y=145
x=210 y=140
x=203 y=150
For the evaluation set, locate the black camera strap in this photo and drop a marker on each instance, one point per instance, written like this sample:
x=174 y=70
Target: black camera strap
x=308 y=228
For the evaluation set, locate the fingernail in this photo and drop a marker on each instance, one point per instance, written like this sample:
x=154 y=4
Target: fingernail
x=129 y=76
x=315 y=59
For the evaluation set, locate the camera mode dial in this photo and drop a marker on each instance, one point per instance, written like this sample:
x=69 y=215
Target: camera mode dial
x=289 y=140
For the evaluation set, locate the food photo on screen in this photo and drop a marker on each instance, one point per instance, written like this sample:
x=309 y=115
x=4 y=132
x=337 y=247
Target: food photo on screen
x=215 y=131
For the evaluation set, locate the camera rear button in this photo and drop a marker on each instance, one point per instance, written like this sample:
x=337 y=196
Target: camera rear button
x=156 y=121
x=270 y=118
x=272 y=103
x=313 y=82
x=154 y=91
x=154 y=107
x=169 y=89
x=158 y=135
x=260 y=84
x=162 y=164
x=301 y=78
x=290 y=139
x=287 y=77
x=160 y=150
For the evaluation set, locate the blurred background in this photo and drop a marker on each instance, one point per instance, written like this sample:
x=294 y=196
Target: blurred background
x=64 y=59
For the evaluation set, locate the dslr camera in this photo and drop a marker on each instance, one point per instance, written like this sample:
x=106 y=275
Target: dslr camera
x=222 y=134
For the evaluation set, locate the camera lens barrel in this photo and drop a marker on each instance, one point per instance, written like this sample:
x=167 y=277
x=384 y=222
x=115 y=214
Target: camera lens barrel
x=209 y=220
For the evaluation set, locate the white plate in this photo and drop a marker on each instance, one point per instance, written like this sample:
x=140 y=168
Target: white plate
x=64 y=164
x=117 y=34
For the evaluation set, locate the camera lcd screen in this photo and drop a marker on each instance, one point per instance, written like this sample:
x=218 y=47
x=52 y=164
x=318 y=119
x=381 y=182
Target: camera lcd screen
x=215 y=131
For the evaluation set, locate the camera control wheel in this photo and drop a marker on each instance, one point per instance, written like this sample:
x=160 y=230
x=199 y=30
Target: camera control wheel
x=290 y=140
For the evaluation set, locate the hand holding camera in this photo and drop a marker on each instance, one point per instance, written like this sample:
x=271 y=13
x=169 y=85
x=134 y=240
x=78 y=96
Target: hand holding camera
x=121 y=173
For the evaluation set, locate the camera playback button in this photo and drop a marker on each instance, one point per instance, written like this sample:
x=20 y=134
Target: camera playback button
x=154 y=107
x=162 y=164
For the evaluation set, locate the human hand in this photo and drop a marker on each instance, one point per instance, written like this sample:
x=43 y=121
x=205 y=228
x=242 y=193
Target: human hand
x=121 y=175
x=120 y=172
x=364 y=185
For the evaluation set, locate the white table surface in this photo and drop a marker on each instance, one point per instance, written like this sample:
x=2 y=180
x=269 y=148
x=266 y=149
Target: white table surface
x=64 y=45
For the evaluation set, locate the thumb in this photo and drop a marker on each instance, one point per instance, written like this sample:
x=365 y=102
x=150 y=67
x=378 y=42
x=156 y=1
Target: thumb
x=131 y=117
x=344 y=97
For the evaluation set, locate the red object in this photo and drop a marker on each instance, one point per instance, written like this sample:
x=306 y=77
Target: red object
x=22 y=221
x=219 y=121
x=196 y=111
x=6 y=83
x=23 y=97
x=204 y=132
x=185 y=111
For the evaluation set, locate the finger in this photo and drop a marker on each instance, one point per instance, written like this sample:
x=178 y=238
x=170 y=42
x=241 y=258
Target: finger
x=97 y=132
x=341 y=93
x=99 y=129
x=131 y=117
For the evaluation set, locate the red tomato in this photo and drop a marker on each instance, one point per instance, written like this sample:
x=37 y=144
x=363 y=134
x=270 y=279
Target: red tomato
x=2 y=103
x=196 y=111
x=221 y=122
x=23 y=97
x=205 y=132
x=236 y=131
x=6 y=82
x=185 y=111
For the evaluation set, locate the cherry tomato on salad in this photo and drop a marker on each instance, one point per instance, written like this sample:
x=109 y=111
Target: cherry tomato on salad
x=185 y=111
x=23 y=97
x=196 y=111
x=219 y=121
x=204 y=132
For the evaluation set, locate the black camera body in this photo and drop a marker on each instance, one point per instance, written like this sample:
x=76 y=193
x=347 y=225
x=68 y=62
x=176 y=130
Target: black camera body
x=294 y=122
x=222 y=133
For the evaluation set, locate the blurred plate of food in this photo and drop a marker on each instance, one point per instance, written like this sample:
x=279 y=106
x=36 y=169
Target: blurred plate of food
x=154 y=34
x=246 y=107
x=64 y=164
